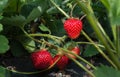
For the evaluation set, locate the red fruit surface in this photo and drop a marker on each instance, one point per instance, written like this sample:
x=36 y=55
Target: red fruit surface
x=73 y=27
x=41 y=59
x=75 y=50
x=62 y=62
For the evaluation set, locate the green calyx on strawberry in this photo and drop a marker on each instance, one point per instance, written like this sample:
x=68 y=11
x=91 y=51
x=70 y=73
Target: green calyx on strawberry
x=41 y=59
x=73 y=27
x=62 y=62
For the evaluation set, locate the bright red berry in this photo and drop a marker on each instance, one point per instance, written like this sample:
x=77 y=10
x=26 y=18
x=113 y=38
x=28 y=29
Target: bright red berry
x=41 y=59
x=73 y=27
x=75 y=50
x=62 y=62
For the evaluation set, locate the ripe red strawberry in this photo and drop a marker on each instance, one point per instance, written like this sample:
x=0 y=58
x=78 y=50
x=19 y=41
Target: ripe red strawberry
x=41 y=59
x=75 y=50
x=73 y=27
x=62 y=62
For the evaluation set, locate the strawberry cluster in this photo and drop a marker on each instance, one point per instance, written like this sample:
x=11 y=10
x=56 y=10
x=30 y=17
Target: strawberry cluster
x=42 y=59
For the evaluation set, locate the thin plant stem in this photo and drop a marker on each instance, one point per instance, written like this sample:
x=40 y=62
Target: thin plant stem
x=83 y=17
x=114 y=32
x=107 y=37
x=55 y=38
x=118 y=40
x=90 y=44
x=59 y=8
x=46 y=35
x=96 y=46
x=83 y=67
x=72 y=9
x=36 y=72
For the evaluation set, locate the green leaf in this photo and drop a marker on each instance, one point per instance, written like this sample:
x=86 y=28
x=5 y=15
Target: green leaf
x=90 y=50
x=30 y=46
x=1 y=27
x=53 y=52
x=52 y=10
x=44 y=4
x=27 y=8
x=34 y=6
x=55 y=26
x=1 y=17
x=113 y=7
x=44 y=28
x=70 y=45
x=14 y=20
x=4 y=72
x=106 y=4
x=106 y=71
x=58 y=1
x=41 y=7
x=13 y=7
x=36 y=12
x=115 y=12
x=3 y=3
x=3 y=44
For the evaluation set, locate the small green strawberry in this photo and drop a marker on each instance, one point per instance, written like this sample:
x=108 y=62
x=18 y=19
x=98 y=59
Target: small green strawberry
x=73 y=27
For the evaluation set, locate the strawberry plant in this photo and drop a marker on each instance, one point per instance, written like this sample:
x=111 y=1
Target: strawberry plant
x=52 y=34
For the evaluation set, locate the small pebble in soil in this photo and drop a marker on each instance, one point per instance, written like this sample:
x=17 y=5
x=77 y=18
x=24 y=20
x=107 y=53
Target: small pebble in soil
x=11 y=67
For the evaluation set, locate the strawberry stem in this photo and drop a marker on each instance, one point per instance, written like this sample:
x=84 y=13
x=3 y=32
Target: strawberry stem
x=63 y=12
x=118 y=41
x=83 y=67
x=54 y=62
x=55 y=38
x=27 y=73
x=71 y=12
x=102 y=46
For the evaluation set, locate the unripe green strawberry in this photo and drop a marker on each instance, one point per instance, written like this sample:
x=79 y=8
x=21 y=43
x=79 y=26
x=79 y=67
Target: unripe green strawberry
x=41 y=59
x=73 y=27
x=62 y=62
